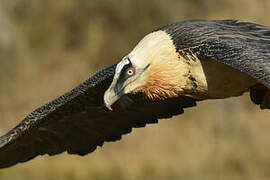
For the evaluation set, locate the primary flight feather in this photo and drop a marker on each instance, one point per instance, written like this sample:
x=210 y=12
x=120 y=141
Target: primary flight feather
x=169 y=70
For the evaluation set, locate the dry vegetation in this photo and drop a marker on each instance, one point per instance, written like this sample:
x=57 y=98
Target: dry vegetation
x=48 y=47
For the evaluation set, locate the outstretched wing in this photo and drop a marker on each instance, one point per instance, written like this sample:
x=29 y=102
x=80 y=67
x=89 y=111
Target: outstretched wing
x=78 y=122
x=241 y=45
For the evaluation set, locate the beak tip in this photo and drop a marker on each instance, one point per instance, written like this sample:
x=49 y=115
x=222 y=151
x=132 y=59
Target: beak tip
x=109 y=107
x=107 y=100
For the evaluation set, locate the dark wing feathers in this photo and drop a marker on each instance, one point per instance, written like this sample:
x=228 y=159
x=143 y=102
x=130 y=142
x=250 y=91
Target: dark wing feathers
x=78 y=122
x=49 y=129
x=241 y=45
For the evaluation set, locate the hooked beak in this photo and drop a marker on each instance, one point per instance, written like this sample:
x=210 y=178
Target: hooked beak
x=113 y=93
x=119 y=100
x=110 y=97
x=116 y=91
x=115 y=96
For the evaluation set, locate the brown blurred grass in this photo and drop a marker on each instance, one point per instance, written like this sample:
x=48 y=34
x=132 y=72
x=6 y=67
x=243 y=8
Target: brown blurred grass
x=48 y=47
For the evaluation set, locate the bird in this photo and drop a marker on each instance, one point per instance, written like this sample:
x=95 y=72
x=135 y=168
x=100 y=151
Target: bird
x=170 y=69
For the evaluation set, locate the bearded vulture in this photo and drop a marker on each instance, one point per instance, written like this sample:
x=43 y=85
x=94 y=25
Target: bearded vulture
x=170 y=69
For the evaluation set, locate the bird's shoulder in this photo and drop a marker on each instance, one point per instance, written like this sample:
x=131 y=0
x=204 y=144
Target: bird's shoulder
x=241 y=45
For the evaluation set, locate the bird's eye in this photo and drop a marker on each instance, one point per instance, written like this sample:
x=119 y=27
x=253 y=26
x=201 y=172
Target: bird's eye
x=130 y=71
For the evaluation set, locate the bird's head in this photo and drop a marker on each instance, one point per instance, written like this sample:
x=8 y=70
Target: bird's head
x=148 y=69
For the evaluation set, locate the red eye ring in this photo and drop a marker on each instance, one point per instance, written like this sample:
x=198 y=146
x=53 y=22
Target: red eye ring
x=131 y=71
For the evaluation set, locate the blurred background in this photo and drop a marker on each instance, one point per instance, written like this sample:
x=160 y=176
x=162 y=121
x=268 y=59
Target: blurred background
x=48 y=47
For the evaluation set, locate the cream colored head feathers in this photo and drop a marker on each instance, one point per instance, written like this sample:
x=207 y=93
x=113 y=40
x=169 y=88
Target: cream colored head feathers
x=155 y=61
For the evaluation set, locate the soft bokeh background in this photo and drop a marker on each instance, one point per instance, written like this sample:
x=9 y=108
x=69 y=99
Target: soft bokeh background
x=48 y=47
